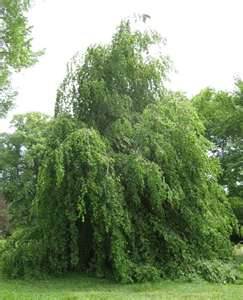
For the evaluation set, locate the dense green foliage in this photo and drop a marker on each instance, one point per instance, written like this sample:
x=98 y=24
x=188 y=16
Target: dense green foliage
x=21 y=153
x=222 y=115
x=123 y=185
x=15 y=46
x=115 y=81
x=4 y=218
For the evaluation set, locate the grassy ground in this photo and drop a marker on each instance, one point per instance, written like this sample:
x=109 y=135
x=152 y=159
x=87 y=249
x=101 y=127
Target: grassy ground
x=74 y=287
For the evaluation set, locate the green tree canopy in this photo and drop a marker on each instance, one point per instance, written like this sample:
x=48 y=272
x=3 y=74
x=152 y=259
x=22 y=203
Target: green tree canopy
x=222 y=115
x=114 y=81
x=21 y=153
x=15 y=46
x=125 y=187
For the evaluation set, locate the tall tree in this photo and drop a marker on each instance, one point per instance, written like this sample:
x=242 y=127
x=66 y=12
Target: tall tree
x=125 y=187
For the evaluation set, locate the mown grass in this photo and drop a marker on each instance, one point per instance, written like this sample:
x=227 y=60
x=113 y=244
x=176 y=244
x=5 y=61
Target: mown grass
x=75 y=287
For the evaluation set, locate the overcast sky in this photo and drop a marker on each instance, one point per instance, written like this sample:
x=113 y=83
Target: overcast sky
x=204 y=41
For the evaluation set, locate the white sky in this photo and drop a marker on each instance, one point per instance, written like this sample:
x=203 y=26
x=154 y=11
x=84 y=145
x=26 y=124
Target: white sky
x=204 y=41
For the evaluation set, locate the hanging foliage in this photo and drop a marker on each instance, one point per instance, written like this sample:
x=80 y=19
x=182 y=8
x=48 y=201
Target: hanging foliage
x=114 y=81
x=126 y=187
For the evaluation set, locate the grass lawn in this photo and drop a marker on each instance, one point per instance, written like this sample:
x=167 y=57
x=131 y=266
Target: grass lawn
x=74 y=287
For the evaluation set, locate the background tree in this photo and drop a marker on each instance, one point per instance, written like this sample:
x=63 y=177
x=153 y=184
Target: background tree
x=222 y=115
x=15 y=46
x=21 y=153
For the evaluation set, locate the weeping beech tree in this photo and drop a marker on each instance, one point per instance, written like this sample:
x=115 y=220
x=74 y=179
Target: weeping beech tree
x=126 y=187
